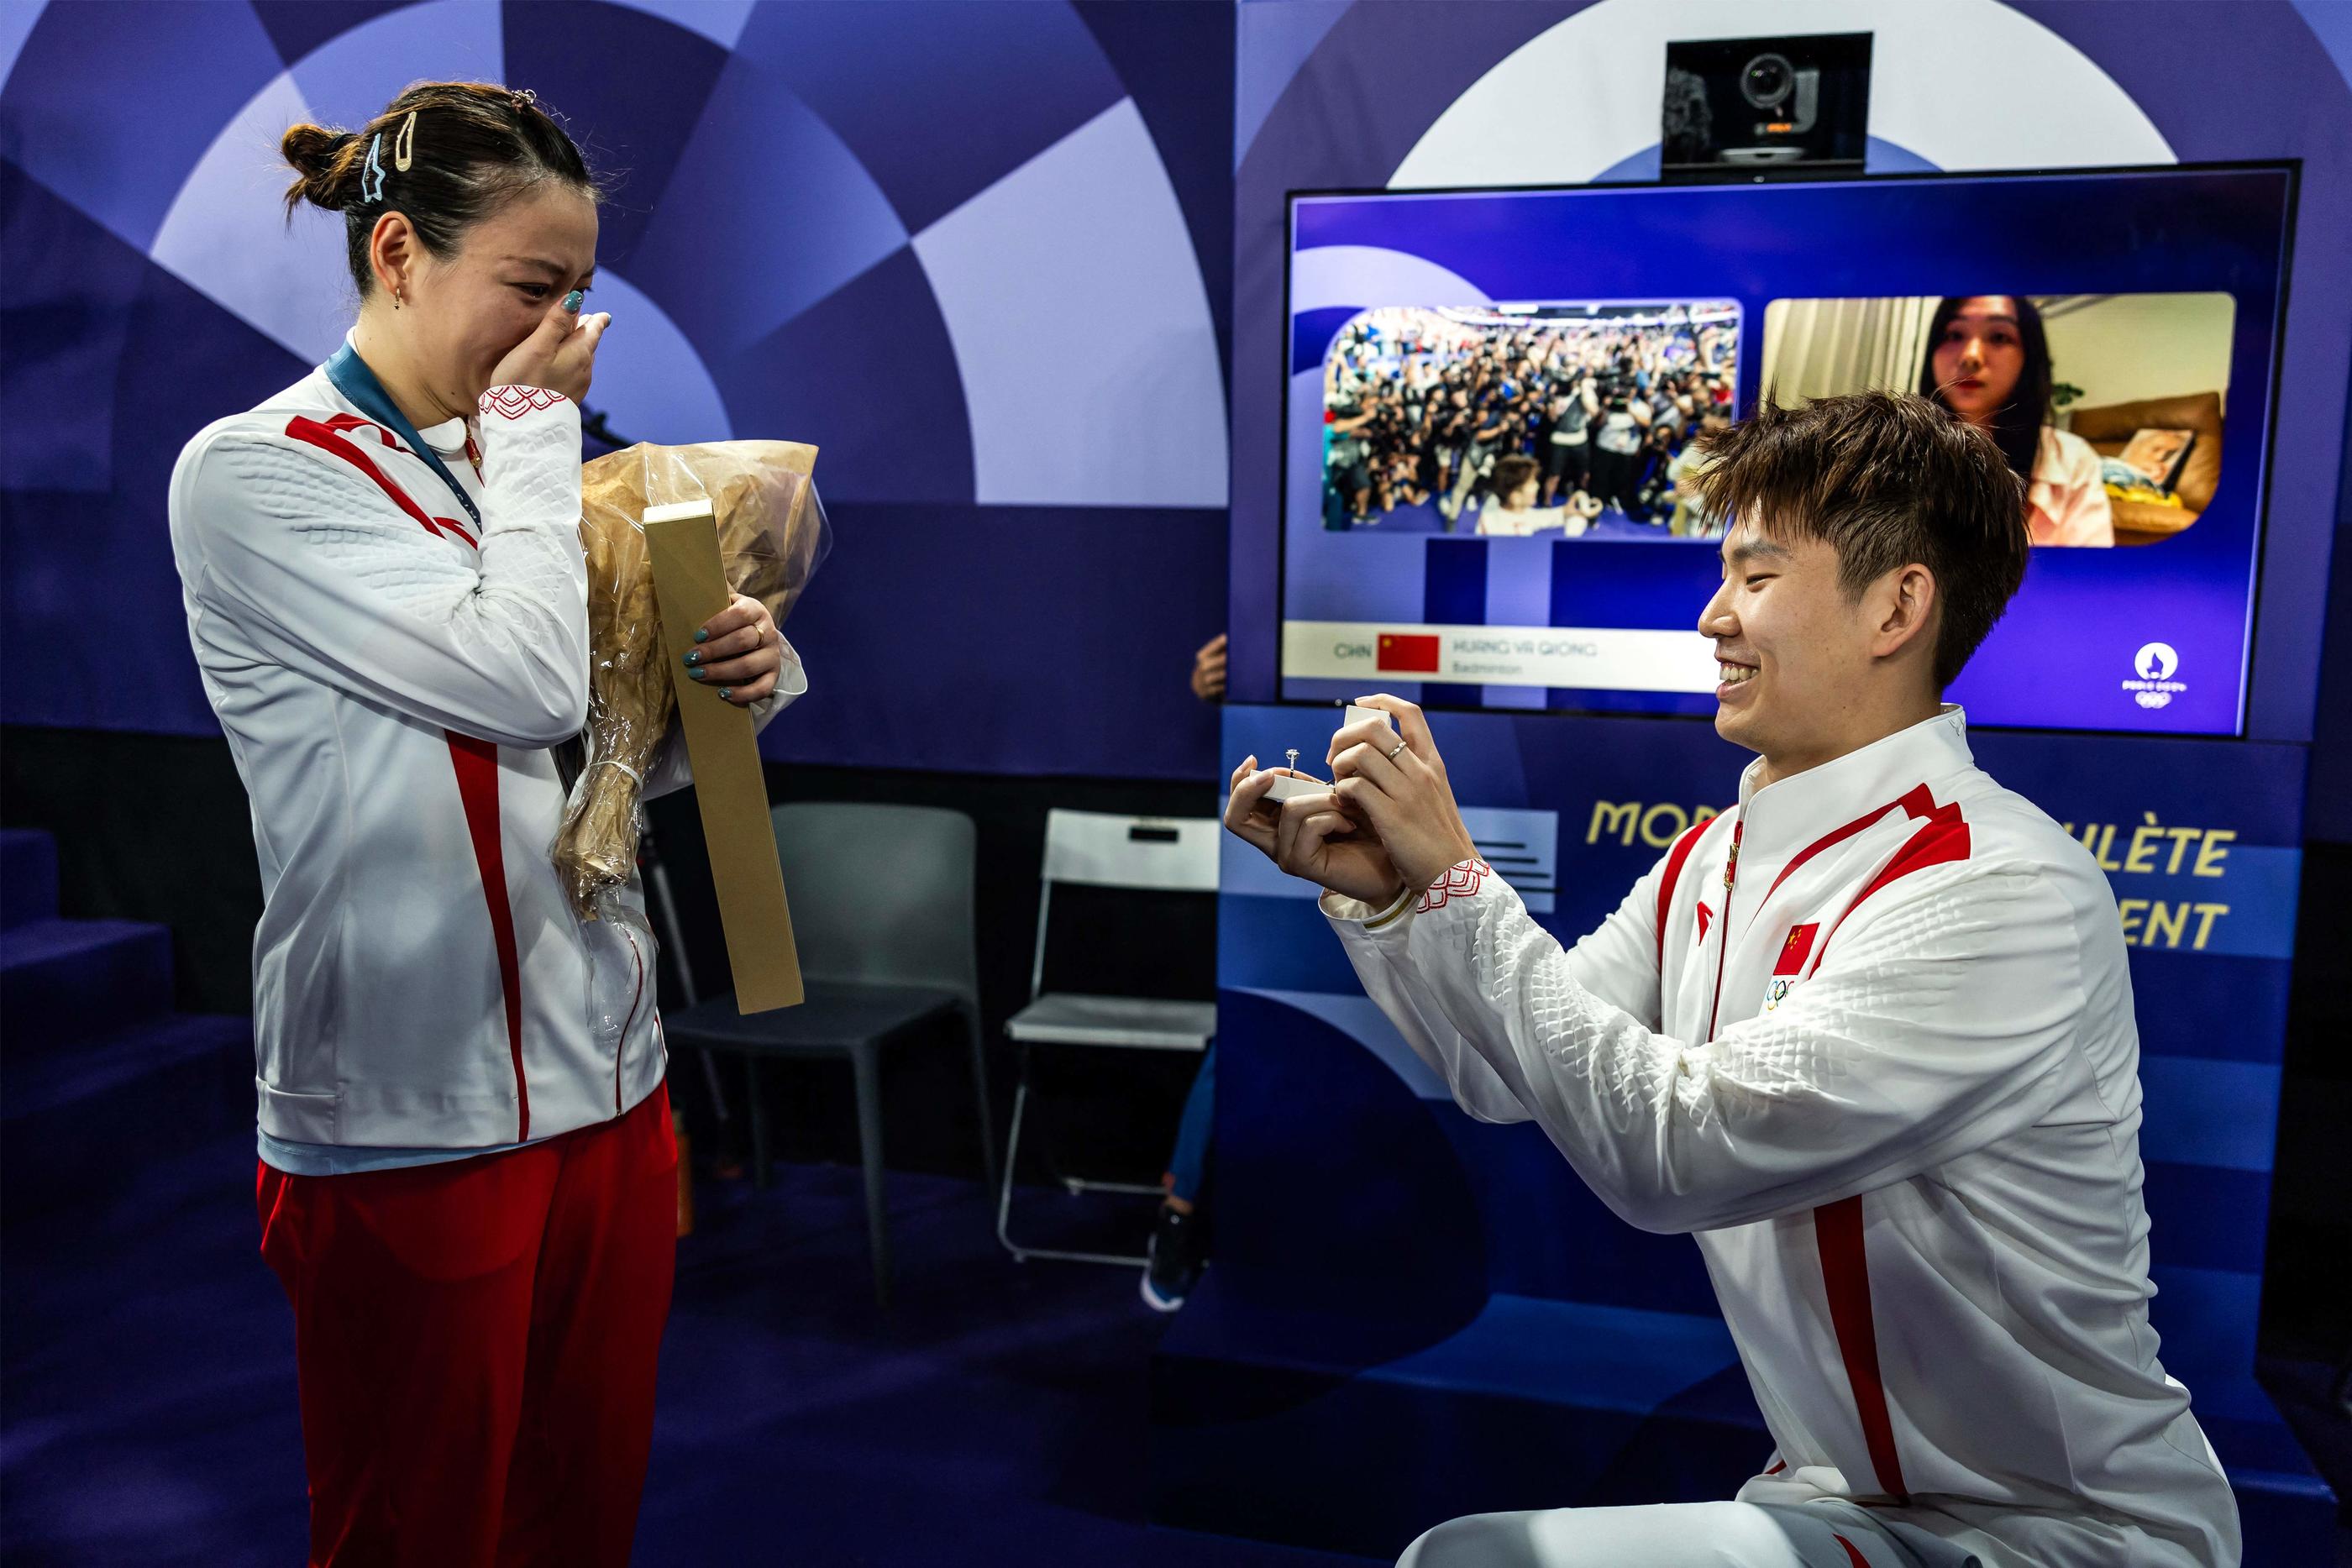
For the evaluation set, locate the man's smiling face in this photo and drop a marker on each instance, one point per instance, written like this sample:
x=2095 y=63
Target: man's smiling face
x=1793 y=647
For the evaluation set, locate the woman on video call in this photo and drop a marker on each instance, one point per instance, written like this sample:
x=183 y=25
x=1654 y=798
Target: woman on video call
x=1989 y=361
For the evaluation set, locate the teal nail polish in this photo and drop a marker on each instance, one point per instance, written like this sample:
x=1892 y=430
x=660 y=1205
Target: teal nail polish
x=725 y=693
x=571 y=301
x=694 y=657
x=699 y=673
x=702 y=635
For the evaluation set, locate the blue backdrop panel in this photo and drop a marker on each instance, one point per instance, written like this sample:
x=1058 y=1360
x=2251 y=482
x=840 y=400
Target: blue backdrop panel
x=968 y=645
x=563 y=50
x=189 y=68
x=1000 y=83
x=872 y=343
x=798 y=264
x=298 y=27
x=776 y=166
x=85 y=540
x=1162 y=54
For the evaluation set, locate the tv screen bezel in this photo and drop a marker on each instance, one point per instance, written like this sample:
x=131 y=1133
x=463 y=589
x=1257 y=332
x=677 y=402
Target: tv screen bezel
x=2292 y=168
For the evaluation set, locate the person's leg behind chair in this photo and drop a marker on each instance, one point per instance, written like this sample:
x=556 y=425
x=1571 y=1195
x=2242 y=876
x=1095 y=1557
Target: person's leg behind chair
x=1176 y=1253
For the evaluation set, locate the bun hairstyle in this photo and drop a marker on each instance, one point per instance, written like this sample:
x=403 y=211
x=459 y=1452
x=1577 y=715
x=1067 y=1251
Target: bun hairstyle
x=443 y=154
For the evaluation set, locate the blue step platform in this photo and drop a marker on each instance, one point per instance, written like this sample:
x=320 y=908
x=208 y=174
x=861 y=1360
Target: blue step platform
x=29 y=876
x=65 y=982
x=97 y=1073
x=1532 y=1403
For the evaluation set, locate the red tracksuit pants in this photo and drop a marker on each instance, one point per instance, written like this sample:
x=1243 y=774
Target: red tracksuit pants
x=477 y=1343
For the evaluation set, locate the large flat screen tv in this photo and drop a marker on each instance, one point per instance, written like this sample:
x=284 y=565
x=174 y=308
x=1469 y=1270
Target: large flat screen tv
x=1491 y=394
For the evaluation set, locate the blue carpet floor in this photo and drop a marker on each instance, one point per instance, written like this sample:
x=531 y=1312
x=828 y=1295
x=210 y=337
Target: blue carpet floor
x=996 y=1413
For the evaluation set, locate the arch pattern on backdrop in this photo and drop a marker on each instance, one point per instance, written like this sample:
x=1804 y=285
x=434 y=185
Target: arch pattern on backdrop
x=1050 y=247
x=964 y=249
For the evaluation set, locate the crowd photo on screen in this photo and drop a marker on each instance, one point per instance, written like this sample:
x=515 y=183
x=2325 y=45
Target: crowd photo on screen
x=1520 y=419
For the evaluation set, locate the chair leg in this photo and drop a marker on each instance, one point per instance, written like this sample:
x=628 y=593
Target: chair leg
x=761 y=1172
x=980 y=1091
x=865 y=1062
x=1011 y=1157
x=710 y=1081
x=1004 y=1194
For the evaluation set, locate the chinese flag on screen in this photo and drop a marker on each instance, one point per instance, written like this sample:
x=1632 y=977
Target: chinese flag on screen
x=1410 y=655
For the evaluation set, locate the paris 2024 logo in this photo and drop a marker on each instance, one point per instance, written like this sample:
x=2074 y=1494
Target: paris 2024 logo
x=2152 y=668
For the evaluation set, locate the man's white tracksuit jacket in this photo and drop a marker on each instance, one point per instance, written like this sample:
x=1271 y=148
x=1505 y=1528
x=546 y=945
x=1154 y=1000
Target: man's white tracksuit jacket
x=1869 y=1036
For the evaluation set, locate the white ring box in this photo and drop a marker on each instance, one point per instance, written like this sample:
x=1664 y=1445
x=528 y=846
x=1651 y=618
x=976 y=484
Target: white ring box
x=1287 y=789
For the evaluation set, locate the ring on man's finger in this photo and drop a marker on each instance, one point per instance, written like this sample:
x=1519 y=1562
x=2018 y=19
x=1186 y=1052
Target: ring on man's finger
x=1399 y=747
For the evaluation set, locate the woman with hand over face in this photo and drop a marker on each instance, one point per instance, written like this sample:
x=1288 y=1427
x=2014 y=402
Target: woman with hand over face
x=468 y=1178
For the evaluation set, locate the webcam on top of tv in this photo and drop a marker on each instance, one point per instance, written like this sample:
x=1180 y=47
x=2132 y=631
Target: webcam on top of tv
x=1760 y=109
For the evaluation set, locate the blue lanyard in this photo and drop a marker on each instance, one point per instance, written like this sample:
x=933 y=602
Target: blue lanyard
x=356 y=381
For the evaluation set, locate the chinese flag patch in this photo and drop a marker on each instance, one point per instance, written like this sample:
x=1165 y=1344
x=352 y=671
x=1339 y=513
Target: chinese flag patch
x=1796 y=949
x=1413 y=654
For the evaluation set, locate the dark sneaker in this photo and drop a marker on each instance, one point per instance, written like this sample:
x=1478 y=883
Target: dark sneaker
x=1175 y=1259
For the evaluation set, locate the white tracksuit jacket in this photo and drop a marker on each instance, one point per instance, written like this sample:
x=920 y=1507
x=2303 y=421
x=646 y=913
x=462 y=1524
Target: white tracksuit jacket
x=390 y=683
x=1869 y=1036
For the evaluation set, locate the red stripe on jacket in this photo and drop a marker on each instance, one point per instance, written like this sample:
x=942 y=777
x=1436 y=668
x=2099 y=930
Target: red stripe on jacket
x=329 y=437
x=1845 y=1276
x=476 y=764
x=475 y=761
x=1942 y=837
x=1675 y=859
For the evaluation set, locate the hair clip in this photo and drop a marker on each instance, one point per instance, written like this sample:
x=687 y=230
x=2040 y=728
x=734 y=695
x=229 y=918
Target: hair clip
x=523 y=97
x=403 y=146
x=373 y=167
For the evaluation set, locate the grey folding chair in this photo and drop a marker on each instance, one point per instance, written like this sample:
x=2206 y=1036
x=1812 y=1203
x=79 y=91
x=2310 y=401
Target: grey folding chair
x=882 y=909
x=1104 y=849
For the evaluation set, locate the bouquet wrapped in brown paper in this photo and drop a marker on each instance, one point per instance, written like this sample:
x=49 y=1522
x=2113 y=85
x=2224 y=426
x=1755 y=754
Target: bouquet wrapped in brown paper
x=772 y=535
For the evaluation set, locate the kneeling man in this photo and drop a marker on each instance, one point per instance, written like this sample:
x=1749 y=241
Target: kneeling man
x=1868 y=1037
